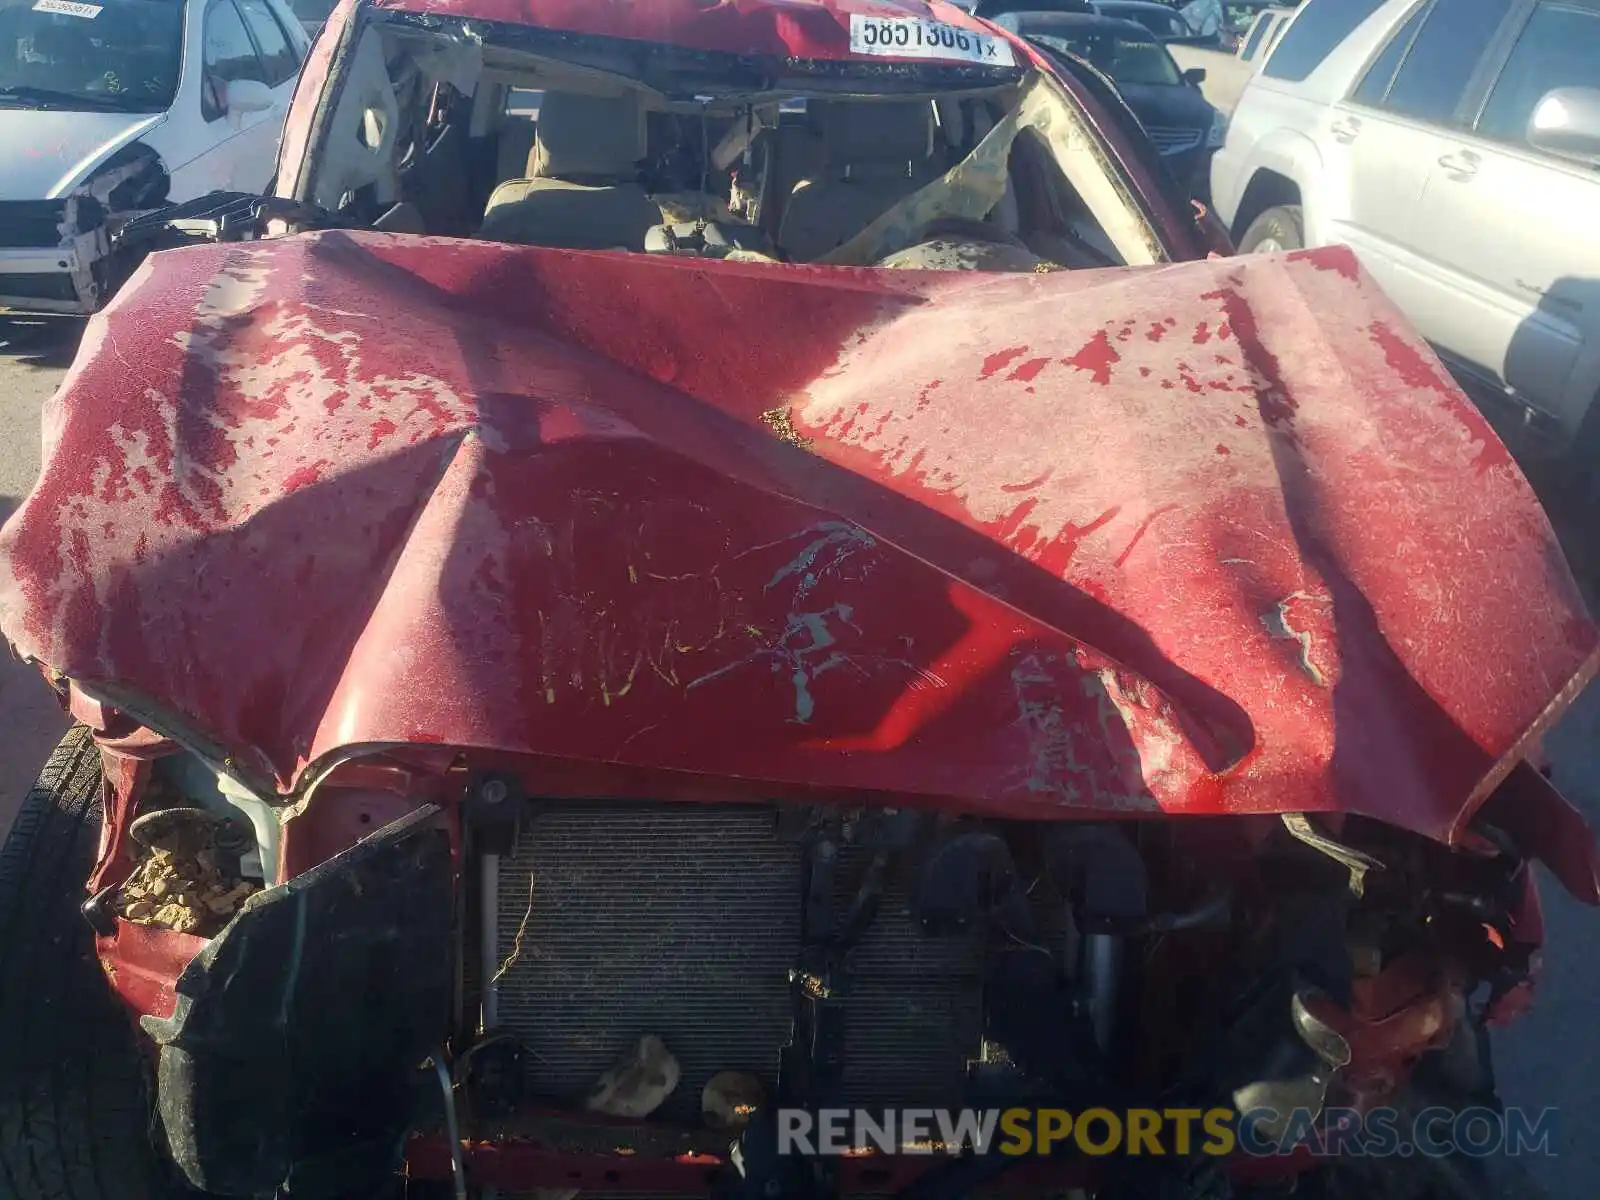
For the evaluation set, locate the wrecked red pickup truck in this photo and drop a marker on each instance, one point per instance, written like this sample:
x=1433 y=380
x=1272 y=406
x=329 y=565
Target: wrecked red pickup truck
x=787 y=580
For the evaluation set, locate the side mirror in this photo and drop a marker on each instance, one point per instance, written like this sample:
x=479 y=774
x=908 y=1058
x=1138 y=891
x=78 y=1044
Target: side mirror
x=1194 y=76
x=1567 y=121
x=248 y=96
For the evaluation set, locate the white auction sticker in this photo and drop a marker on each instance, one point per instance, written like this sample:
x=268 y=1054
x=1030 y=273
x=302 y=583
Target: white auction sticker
x=67 y=8
x=913 y=37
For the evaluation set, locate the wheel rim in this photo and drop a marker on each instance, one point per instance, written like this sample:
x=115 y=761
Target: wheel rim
x=1268 y=245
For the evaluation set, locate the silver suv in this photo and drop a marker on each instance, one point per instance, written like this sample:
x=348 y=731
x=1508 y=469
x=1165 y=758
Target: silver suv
x=1455 y=145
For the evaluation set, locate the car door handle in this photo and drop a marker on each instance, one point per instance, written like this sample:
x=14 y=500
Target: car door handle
x=1345 y=130
x=1462 y=165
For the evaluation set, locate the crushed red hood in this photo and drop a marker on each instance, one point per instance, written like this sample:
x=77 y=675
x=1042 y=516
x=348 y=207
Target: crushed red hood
x=1217 y=537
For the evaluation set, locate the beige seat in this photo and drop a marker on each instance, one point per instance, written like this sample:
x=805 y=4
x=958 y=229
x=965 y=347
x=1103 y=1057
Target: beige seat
x=875 y=155
x=514 y=149
x=583 y=193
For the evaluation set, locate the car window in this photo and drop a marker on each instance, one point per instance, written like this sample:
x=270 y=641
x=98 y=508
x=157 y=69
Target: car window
x=115 y=55
x=1278 y=26
x=1162 y=24
x=1374 y=85
x=1125 y=59
x=278 y=54
x=1314 y=33
x=1558 y=47
x=1454 y=37
x=312 y=12
x=229 y=55
x=1257 y=35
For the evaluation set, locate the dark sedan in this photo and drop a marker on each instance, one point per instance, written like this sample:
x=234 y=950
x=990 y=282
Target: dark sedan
x=1186 y=129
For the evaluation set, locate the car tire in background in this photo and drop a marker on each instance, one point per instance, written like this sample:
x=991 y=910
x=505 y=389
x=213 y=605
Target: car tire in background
x=75 y=1111
x=1279 y=228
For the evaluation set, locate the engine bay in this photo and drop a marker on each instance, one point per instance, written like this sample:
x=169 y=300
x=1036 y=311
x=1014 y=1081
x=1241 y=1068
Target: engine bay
x=635 y=987
x=645 y=961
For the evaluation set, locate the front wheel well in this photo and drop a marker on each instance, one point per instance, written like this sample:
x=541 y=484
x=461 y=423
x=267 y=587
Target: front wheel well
x=1266 y=189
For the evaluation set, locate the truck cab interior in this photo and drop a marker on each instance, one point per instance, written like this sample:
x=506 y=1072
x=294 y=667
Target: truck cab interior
x=434 y=134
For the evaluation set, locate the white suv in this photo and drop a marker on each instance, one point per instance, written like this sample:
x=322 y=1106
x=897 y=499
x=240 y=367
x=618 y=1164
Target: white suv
x=1455 y=146
x=113 y=108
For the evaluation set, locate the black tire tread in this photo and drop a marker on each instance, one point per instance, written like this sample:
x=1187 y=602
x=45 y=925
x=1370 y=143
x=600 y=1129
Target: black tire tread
x=74 y=1102
x=1289 y=219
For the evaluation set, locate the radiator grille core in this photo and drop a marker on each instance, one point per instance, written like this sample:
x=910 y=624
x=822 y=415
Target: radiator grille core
x=683 y=921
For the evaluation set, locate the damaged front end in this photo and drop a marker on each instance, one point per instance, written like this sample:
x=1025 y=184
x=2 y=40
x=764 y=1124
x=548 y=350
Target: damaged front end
x=59 y=255
x=455 y=967
x=552 y=728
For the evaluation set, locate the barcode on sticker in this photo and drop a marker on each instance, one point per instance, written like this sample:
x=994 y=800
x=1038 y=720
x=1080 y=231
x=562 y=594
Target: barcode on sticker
x=913 y=37
x=67 y=8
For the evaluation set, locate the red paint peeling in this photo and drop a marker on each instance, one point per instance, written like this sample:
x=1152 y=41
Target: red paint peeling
x=1057 y=553
x=1006 y=528
x=1277 y=405
x=1341 y=260
x=1410 y=362
x=1029 y=371
x=382 y=429
x=544 y=506
x=304 y=476
x=1157 y=331
x=1202 y=334
x=1140 y=530
x=1097 y=357
x=1037 y=481
x=1000 y=360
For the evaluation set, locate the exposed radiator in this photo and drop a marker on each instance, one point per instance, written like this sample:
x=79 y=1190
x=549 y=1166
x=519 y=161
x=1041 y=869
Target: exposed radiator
x=683 y=920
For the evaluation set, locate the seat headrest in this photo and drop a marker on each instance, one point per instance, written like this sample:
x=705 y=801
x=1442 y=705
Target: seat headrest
x=599 y=136
x=879 y=132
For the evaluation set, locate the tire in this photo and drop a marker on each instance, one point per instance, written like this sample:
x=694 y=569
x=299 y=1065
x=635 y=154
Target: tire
x=1279 y=228
x=75 y=1111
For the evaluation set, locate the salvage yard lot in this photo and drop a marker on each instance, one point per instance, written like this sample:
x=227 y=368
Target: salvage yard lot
x=1534 y=1064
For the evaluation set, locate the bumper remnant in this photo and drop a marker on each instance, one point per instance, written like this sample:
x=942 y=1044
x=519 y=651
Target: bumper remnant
x=270 y=1075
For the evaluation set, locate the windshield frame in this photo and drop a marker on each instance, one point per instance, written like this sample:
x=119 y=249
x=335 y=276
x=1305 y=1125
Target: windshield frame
x=39 y=96
x=1163 y=228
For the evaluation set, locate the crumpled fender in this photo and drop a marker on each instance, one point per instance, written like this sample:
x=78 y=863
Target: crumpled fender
x=1217 y=537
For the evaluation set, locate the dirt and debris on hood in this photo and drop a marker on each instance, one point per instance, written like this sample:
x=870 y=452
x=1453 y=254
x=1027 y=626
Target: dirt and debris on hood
x=187 y=877
x=781 y=423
